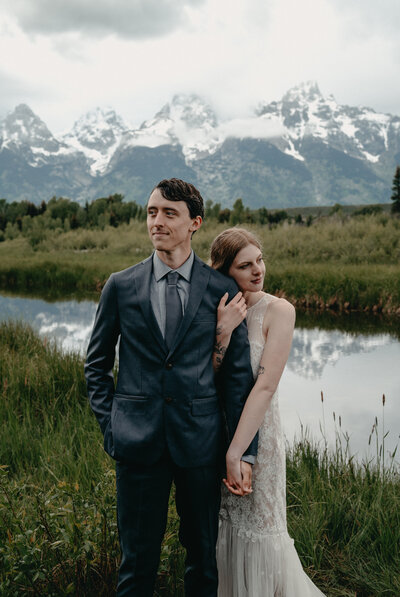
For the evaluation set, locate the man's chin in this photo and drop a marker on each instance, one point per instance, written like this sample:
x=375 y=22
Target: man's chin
x=160 y=245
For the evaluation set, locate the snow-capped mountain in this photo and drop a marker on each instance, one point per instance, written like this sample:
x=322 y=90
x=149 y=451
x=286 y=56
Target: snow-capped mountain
x=97 y=134
x=304 y=149
x=187 y=121
x=304 y=112
x=23 y=132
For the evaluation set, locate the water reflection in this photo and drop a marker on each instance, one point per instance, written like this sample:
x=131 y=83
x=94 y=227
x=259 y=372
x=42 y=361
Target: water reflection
x=68 y=322
x=352 y=359
x=314 y=349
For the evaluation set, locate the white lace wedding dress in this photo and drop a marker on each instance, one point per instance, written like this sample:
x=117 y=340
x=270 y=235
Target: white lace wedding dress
x=256 y=556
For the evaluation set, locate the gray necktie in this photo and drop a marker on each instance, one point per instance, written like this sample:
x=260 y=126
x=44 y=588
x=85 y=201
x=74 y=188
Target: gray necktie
x=173 y=307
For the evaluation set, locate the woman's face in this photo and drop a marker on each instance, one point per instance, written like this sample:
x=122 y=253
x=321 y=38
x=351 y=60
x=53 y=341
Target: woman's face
x=248 y=269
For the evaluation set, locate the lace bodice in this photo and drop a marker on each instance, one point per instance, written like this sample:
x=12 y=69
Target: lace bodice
x=264 y=511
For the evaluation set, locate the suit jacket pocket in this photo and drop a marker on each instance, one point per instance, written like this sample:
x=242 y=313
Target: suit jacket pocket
x=129 y=422
x=208 y=405
x=128 y=398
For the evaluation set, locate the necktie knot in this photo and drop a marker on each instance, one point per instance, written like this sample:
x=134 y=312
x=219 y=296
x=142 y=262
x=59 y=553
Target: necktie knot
x=172 y=278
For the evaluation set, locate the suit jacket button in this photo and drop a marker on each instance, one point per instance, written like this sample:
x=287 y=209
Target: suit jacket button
x=169 y=365
x=168 y=399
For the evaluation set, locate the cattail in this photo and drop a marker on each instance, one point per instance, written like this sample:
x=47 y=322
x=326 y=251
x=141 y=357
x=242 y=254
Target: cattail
x=383 y=399
x=334 y=416
x=322 y=396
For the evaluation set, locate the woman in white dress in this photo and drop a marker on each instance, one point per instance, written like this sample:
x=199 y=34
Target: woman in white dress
x=256 y=556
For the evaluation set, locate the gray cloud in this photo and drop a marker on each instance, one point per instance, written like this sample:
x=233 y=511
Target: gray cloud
x=370 y=17
x=127 y=18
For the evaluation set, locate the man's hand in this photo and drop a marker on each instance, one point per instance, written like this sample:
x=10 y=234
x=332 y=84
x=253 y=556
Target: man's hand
x=247 y=471
x=238 y=475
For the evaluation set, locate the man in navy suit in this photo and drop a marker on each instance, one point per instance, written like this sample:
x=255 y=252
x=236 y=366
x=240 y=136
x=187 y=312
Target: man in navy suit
x=164 y=421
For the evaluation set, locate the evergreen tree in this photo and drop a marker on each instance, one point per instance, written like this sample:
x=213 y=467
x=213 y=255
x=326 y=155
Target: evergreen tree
x=396 y=192
x=237 y=214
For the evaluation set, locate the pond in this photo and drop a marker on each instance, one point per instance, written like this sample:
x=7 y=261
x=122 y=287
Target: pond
x=353 y=360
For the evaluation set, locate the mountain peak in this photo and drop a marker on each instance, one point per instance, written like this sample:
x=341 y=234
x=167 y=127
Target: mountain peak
x=23 y=127
x=306 y=91
x=23 y=110
x=90 y=127
x=192 y=110
x=97 y=134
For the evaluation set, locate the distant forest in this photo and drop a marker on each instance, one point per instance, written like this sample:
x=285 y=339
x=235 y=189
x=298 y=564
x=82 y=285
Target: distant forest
x=28 y=219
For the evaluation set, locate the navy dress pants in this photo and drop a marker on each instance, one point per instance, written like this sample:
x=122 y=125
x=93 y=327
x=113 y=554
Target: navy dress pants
x=142 y=506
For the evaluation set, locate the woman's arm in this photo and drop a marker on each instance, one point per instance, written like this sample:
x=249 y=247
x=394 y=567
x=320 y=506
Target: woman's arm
x=229 y=316
x=279 y=320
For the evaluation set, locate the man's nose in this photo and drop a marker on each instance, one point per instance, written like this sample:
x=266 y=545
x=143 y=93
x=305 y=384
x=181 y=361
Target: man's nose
x=159 y=219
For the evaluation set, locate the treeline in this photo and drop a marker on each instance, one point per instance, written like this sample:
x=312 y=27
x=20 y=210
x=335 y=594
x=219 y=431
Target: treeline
x=28 y=219
x=63 y=213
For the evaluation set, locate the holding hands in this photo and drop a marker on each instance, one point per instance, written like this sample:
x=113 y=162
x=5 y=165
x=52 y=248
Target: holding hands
x=238 y=475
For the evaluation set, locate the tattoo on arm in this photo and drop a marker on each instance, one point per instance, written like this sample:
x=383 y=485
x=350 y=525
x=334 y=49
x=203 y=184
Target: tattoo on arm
x=219 y=352
x=261 y=370
x=218 y=331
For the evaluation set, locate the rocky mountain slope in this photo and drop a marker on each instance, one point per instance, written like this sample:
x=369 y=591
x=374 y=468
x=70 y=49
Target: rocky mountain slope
x=305 y=149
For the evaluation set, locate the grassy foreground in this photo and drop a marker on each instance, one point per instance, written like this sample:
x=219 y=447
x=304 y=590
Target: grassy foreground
x=340 y=263
x=58 y=531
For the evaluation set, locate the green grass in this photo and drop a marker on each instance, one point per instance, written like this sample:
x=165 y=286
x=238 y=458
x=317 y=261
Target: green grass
x=340 y=262
x=58 y=531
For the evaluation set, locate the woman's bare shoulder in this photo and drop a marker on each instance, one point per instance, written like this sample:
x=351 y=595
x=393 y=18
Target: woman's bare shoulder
x=279 y=308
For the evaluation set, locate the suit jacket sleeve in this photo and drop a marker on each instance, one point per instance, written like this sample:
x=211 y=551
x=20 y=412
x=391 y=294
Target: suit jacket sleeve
x=235 y=380
x=101 y=355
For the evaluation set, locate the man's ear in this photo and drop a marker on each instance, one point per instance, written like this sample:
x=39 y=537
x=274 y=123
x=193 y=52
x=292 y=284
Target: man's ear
x=196 y=223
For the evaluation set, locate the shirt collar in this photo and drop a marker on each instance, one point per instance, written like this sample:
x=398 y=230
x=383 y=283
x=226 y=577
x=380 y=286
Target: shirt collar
x=160 y=269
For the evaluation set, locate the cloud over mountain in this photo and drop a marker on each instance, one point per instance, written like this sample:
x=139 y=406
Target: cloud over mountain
x=136 y=19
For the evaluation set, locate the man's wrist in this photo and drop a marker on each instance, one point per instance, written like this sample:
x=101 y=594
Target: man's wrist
x=249 y=458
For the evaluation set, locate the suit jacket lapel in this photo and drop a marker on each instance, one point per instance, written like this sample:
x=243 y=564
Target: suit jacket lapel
x=142 y=281
x=198 y=283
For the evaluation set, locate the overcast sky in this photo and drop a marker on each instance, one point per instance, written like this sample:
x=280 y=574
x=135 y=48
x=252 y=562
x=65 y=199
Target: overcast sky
x=64 y=57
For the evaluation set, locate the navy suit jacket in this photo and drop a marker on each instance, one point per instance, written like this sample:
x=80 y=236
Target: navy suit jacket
x=165 y=398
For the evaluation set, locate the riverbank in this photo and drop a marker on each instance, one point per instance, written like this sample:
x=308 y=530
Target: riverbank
x=57 y=504
x=337 y=264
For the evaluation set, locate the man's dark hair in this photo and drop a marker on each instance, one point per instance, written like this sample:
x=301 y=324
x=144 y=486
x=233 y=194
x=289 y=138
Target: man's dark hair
x=175 y=189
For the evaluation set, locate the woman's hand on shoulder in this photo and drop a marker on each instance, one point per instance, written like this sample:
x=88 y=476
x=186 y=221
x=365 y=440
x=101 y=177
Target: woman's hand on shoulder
x=230 y=315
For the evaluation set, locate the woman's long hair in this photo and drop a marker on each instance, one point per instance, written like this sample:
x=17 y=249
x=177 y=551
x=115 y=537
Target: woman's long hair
x=227 y=245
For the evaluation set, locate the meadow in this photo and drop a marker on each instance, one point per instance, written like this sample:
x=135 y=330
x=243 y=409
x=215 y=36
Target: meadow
x=340 y=262
x=58 y=531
